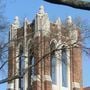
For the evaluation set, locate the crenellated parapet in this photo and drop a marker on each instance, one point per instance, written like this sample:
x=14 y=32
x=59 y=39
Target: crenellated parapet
x=42 y=25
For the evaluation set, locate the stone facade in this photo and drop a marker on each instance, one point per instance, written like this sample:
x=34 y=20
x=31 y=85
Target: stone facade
x=35 y=40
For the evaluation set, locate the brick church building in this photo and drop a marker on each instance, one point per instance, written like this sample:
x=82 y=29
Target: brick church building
x=44 y=55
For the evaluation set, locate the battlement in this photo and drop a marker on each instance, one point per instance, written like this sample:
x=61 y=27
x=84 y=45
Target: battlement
x=42 y=19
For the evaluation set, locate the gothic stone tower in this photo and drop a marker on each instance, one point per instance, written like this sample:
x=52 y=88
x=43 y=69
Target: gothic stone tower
x=44 y=55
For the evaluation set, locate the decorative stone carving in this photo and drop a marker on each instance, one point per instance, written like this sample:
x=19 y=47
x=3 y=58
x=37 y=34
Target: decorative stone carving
x=42 y=22
x=74 y=36
x=14 y=27
x=41 y=10
x=16 y=23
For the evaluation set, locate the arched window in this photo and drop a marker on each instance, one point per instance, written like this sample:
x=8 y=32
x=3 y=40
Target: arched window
x=53 y=64
x=21 y=68
x=31 y=62
x=64 y=67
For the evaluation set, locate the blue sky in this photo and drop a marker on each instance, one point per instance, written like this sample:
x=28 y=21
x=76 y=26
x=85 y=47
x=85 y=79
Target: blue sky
x=28 y=8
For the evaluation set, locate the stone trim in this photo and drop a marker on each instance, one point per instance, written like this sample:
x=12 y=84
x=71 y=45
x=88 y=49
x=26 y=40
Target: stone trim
x=11 y=86
x=75 y=85
x=44 y=78
x=47 y=78
x=36 y=78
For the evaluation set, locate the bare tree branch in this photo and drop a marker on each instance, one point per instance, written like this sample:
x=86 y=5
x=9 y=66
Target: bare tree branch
x=26 y=69
x=9 y=79
x=78 y=4
x=3 y=65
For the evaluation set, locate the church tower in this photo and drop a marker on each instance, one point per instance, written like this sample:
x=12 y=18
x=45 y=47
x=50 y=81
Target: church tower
x=44 y=55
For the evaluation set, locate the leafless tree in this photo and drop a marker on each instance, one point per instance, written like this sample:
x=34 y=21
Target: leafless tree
x=85 y=49
x=3 y=38
x=4 y=46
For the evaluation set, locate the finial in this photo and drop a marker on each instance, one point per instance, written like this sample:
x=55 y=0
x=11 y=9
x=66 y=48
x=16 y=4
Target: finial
x=58 y=21
x=16 y=18
x=69 y=21
x=27 y=21
x=16 y=23
x=25 y=18
x=41 y=9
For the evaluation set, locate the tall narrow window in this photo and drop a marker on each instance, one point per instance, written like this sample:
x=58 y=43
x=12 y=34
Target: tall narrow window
x=32 y=63
x=31 y=72
x=53 y=64
x=64 y=67
x=21 y=69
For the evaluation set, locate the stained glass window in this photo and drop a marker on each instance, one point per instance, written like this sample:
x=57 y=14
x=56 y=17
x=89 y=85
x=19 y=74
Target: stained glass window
x=64 y=67
x=53 y=64
x=31 y=73
x=21 y=69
